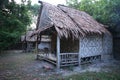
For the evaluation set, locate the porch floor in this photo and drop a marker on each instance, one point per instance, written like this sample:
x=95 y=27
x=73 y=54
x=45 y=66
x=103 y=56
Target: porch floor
x=67 y=59
x=48 y=57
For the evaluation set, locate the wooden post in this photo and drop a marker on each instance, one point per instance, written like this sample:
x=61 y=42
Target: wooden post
x=58 y=52
x=36 y=49
x=79 y=57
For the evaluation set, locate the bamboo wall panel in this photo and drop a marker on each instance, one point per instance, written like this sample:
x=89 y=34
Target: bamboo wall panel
x=91 y=46
x=107 y=44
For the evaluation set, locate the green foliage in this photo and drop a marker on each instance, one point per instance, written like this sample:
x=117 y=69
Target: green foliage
x=106 y=12
x=14 y=19
x=34 y=9
x=73 y=3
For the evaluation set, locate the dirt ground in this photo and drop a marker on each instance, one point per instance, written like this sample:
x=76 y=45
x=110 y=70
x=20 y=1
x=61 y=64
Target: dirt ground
x=23 y=66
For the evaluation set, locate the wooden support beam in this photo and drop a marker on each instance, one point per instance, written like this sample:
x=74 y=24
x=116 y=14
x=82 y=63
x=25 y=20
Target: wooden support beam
x=36 y=49
x=58 y=52
x=79 y=57
x=37 y=45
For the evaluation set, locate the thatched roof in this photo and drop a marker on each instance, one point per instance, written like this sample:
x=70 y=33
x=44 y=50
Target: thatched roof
x=27 y=37
x=67 y=21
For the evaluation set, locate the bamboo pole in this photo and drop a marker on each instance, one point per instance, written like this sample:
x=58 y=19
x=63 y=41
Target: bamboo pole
x=79 y=57
x=58 y=52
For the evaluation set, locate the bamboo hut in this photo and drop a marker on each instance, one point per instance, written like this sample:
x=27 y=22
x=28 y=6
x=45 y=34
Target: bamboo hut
x=76 y=38
x=28 y=44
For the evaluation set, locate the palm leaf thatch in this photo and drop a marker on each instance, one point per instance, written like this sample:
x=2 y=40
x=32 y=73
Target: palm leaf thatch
x=27 y=37
x=67 y=21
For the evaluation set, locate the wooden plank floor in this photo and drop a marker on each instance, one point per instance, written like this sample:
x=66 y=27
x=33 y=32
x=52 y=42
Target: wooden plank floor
x=48 y=57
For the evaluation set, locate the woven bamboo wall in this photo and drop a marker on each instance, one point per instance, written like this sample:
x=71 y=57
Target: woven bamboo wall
x=107 y=44
x=91 y=45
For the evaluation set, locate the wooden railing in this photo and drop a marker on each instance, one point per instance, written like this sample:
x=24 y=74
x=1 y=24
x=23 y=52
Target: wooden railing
x=67 y=59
